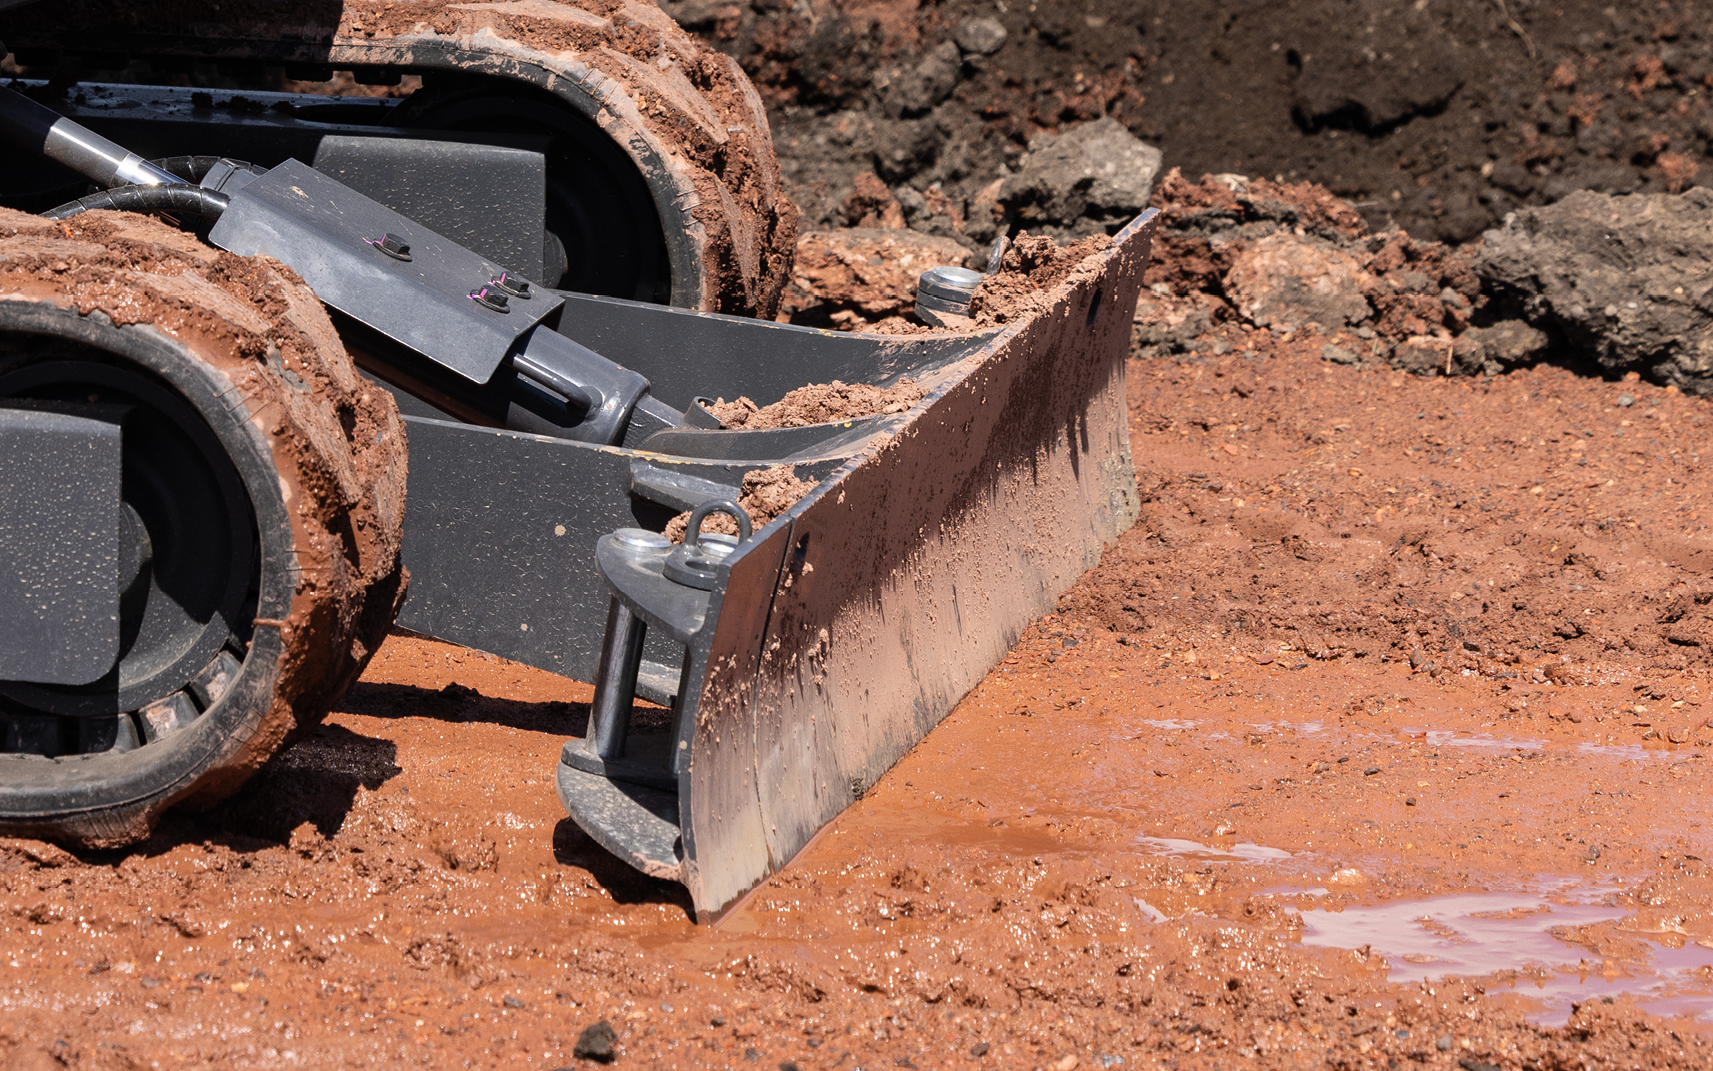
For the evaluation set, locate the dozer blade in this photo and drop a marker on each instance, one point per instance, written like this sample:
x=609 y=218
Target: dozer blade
x=837 y=636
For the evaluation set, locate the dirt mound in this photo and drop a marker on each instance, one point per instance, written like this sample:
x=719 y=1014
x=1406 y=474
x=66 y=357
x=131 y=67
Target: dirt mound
x=1598 y=282
x=1293 y=257
x=1439 y=119
x=1488 y=524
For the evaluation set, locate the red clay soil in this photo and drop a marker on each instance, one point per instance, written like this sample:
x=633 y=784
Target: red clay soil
x=1379 y=645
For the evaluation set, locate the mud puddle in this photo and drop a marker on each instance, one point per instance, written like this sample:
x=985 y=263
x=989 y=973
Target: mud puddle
x=1242 y=851
x=1528 y=943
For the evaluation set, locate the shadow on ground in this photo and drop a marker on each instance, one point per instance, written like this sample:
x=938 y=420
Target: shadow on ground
x=573 y=847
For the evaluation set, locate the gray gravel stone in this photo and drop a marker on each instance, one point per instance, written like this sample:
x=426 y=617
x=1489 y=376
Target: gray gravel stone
x=1093 y=177
x=1621 y=279
x=983 y=36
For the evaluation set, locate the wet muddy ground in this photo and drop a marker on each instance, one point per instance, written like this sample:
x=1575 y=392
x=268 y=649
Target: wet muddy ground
x=1380 y=741
x=1287 y=781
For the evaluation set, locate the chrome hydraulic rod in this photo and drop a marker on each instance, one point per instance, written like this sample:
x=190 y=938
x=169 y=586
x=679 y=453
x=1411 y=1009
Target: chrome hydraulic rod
x=105 y=163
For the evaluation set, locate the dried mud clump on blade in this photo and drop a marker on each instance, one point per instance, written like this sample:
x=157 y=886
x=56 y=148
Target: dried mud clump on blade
x=1031 y=267
x=819 y=403
x=681 y=101
x=336 y=441
x=766 y=493
x=860 y=278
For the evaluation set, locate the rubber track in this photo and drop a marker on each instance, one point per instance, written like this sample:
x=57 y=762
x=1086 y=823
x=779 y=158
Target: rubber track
x=337 y=442
x=685 y=113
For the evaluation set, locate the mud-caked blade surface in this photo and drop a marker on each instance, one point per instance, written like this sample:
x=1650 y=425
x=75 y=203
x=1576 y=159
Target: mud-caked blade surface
x=907 y=575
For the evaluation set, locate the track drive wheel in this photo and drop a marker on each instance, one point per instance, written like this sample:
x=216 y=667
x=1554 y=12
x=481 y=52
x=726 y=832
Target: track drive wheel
x=263 y=505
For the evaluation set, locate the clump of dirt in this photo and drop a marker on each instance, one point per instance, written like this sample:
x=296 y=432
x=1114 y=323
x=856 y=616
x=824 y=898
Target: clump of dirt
x=818 y=403
x=859 y=278
x=1031 y=267
x=765 y=494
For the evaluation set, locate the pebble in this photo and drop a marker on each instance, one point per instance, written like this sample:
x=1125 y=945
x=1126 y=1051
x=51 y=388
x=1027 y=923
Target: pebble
x=983 y=36
x=1320 y=767
x=1677 y=734
x=1370 y=771
x=1626 y=400
x=1444 y=1043
x=979 y=1048
x=596 y=1043
x=1338 y=354
x=1067 y=1063
x=513 y=1002
x=1409 y=801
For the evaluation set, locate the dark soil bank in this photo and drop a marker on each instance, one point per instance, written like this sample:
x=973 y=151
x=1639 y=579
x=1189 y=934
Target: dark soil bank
x=1439 y=116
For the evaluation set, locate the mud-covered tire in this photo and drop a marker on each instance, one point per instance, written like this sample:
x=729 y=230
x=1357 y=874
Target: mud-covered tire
x=684 y=114
x=240 y=354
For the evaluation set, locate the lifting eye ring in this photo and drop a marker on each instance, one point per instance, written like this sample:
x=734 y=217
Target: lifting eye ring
x=693 y=530
x=696 y=562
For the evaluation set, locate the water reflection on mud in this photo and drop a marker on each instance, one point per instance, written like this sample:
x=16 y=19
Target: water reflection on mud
x=1536 y=943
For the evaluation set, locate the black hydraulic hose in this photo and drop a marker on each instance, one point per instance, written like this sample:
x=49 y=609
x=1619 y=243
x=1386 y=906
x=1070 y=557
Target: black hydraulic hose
x=196 y=168
x=182 y=200
x=188 y=168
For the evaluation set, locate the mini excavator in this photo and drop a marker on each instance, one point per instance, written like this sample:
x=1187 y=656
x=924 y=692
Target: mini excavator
x=268 y=347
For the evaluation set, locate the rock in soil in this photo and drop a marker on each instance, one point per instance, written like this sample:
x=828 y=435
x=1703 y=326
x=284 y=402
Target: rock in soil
x=1288 y=282
x=596 y=1043
x=1619 y=281
x=1093 y=178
